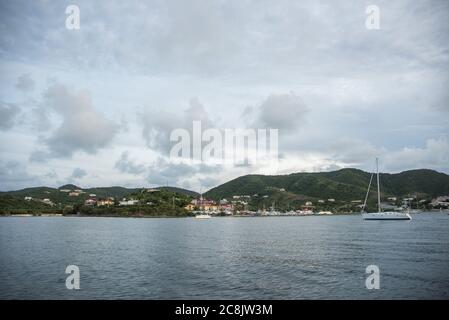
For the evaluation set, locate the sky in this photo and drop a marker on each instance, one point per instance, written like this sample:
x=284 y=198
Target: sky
x=95 y=106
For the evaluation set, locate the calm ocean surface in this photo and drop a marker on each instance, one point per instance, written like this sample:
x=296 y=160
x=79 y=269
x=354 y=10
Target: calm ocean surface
x=224 y=258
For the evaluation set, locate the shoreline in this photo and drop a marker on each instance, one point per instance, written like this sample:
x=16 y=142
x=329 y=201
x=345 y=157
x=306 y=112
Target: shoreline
x=183 y=217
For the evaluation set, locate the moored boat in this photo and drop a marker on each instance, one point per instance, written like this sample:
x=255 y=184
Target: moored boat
x=381 y=215
x=202 y=216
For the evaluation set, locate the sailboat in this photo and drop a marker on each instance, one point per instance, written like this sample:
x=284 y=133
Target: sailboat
x=382 y=215
x=203 y=214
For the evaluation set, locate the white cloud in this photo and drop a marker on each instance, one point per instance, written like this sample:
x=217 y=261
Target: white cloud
x=434 y=155
x=285 y=112
x=158 y=124
x=83 y=128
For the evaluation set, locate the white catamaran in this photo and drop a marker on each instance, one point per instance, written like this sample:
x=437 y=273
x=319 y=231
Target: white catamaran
x=382 y=215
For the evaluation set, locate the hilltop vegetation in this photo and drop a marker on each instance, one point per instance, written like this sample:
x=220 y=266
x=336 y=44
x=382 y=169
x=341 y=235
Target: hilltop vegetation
x=13 y=205
x=167 y=201
x=342 y=185
x=347 y=188
x=161 y=203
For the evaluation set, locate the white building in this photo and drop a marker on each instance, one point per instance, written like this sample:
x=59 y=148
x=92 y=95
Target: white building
x=130 y=202
x=47 y=201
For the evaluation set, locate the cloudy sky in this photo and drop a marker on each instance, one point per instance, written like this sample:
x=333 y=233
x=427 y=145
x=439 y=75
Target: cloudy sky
x=95 y=106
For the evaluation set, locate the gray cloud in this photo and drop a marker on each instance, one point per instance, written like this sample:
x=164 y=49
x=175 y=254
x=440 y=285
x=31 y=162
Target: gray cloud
x=13 y=175
x=220 y=38
x=208 y=182
x=52 y=175
x=78 y=173
x=8 y=113
x=365 y=92
x=351 y=151
x=25 y=83
x=162 y=171
x=83 y=128
x=157 y=125
x=285 y=112
x=126 y=165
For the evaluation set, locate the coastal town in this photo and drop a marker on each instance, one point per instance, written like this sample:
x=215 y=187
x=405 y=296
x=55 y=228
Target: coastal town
x=244 y=205
x=238 y=205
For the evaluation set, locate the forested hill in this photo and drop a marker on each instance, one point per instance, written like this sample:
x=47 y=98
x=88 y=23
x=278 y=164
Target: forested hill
x=57 y=195
x=344 y=184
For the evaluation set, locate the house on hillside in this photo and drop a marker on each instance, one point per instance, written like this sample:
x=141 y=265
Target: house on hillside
x=208 y=205
x=105 y=202
x=442 y=201
x=202 y=204
x=90 y=202
x=308 y=206
x=226 y=207
x=48 y=201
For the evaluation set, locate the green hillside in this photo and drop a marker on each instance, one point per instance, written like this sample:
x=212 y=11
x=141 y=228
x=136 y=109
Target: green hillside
x=180 y=191
x=13 y=205
x=59 y=201
x=344 y=184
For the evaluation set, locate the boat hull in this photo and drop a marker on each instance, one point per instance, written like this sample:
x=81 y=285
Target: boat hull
x=386 y=216
x=202 y=216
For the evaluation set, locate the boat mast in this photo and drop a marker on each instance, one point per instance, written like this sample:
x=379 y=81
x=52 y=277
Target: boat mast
x=367 y=191
x=201 y=199
x=378 y=185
